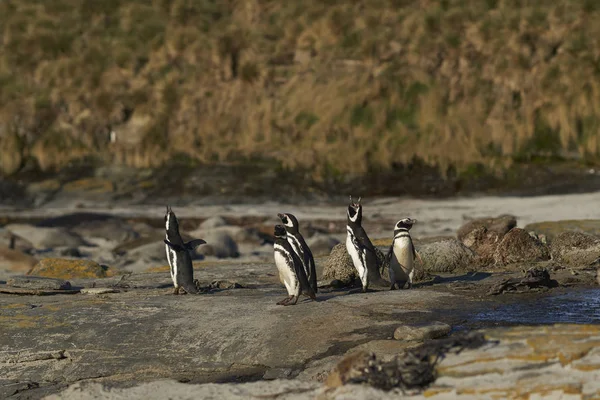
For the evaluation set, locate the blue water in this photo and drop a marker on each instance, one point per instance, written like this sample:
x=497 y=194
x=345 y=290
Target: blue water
x=579 y=307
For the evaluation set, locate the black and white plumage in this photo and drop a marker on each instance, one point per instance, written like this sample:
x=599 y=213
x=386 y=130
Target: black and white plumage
x=291 y=269
x=401 y=255
x=359 y=247
x=178 y=255
x=296 y=240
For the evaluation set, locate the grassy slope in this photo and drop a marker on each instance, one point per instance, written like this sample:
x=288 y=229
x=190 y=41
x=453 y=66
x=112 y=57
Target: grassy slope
x=336 y=86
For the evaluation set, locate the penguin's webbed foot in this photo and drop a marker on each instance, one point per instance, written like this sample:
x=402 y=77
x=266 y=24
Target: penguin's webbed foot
x=176 y=291
x=393 y=286
x=284 y=301
x=292 y=301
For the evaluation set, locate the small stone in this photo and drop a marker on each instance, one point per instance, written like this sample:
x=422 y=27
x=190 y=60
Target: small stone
x=277 y=373
x=98 y=290
x=422 y=332
x=39 y=283
x=68 y=269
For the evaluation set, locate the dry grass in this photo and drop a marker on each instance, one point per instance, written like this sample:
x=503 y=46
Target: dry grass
x=336 y=86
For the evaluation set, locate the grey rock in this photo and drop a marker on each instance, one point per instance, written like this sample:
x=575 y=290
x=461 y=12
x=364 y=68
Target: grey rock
x=38 y=282
x=576 y=249
x=500 y=225
x=47 y=238
x=113 y=229
x=218 y=244
x=154 y=250
x=447 y=255
x=213 y=222
x=321 y=244
x=518 y=246
x=421 y=332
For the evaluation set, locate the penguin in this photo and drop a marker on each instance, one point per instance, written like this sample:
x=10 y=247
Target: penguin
x=178 y=255
x=401 y=255
x=291 y=269
x=296 y=240
x=359 y=247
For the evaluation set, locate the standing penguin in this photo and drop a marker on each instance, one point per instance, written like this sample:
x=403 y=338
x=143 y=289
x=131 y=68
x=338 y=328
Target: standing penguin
x=296 y=240
x=402 y=255
x=361 y=250
x=291 y=269
x=178 y=255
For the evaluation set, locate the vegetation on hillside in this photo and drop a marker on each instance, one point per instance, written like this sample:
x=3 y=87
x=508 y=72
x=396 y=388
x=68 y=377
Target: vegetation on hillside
x=332 y=86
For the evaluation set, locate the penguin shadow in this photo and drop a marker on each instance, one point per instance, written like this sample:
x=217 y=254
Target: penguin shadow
x=468 y=277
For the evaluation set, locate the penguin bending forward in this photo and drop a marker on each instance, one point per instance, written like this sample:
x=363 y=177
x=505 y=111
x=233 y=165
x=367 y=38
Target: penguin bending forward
x=178 y=255
x=291 y=269
x=402 y=255
x=296 y=240
x=361 y=250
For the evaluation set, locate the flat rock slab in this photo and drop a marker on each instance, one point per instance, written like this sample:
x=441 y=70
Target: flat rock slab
x=35 y=292
x=421 y=332
x=553 y=362
x=145 y=333
x=38 y=282
x=98 y=290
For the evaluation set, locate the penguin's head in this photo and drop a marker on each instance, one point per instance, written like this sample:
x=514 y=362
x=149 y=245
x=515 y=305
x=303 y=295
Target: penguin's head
x=355 y=211
x=289 y=221
x=171 y=224
x=280 y=231
x=405 y=224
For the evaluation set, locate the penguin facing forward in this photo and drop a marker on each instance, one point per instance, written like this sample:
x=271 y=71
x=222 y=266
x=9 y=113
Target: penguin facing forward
x=296 y=240
x=291 y=269
x=402 y=255
x=178 y=255
x=359 y=247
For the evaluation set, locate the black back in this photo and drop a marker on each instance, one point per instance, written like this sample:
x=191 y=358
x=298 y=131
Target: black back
x=281 y=240
x=172 y=228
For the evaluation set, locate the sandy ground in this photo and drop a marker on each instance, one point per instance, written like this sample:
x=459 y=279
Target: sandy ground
x=436 y=217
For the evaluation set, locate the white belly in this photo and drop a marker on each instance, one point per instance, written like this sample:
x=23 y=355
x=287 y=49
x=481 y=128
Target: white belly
x=358 y=260
x=402 y=260
x=286 y=276
x=172 y=259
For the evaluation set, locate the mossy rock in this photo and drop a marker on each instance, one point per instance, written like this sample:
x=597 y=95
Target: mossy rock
x=69 y=269
x=551 y=229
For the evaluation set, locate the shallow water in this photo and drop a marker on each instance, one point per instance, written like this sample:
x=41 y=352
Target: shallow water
x=577 y=306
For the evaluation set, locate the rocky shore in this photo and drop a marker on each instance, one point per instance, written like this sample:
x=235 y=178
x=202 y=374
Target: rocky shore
x=86 y=309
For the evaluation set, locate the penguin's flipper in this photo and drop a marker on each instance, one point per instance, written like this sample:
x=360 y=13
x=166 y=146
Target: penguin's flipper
x=192 y=244
x=301 y=275
x=175 y=247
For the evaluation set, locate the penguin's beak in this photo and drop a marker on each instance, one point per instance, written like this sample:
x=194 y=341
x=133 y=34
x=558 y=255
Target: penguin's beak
x=413 y=221
x=280 y=215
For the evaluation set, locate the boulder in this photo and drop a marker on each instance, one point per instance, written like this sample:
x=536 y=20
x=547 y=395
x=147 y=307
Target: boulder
x=218 y=244
x=447 y=255
x=551 y=229
x=501 y=225
x=15 y=261
x=113 y=229
x=213 y=222
x=339 y=267
x=484 y=243
x=576 y=249
x=518 y=246
x=47 y=238
x=69 y=269
x=321 y=244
